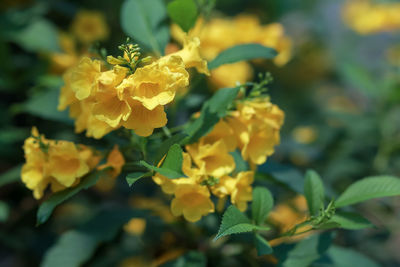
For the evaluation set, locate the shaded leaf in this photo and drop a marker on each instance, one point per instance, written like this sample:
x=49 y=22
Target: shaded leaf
x=47 y=207
x=189 y=259
x=314 y=192
x=131 y=178
x=143 y=21
x=166 y=145
x=347 y=257
x=369 y=188
x=39 y=36
x=212 y=111
x=183 y=13
x=75 y=247
x=262 y=204
x=350 y=220
x=242 y=52
x=235 y=222
x=11 y=176
x=262 y=245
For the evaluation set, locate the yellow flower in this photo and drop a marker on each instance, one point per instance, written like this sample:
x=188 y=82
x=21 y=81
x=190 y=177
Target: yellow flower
x=192 y=201
x=221 y=131
x=65 y=163
x=214 y=158
x=116 y=161
x=190 y=55
x=156 y=84
x=83 y=78
x=144 y=121
x=239 y=188
x=273 y=35
x=304 y=134
x=256 y=124
x=366 y=17
x=68 y=58
x=59 y=164
x=242 y=192
x=90 y=26
x=287 y=215
x=230 y=75
x=109 y=107
x=135 y=226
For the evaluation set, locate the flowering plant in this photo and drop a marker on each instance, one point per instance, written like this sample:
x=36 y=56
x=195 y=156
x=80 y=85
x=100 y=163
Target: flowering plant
x=177 y=156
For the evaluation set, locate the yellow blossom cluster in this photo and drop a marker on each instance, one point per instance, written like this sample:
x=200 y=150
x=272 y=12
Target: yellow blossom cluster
x=219 y=34
x=102 y=100
x=87 y=27
x=367 y=17
x=60 y=164
x=254 y=129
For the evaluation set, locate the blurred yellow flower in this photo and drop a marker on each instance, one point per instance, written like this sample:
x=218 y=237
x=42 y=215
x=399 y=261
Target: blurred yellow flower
x=192 y=201
x=230 y=75
x=366 y=17
x=83 y=79
x=219 y=34
x=287 y=215
x=89 y=26
x=59 y=164
x=257 y=123
x=304 y=134
x=155 y=205
x=116 y=161
x=67 y=58
x=135 y=226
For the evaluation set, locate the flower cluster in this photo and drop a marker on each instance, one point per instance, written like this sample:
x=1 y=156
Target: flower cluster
x=219 y=34
x=60 y=164
x=367 y=18
x=102 y=100
x=254 y=129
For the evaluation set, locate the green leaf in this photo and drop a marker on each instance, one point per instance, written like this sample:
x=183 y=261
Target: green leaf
x=262 y=245
x=131 y=178
x=242 y=52
x=235 y=222
x=212 y=111
x=314 y=192
x=4 y=211
x=189 y=259
x=172 y=165
x=347 y=257
x=11 y=175
x=39 y=36
x=183 y=13
x=166 y=145
x=75 y=247
x=174 y=159
x=262 y=204
x=143 y=20
x=44 y=105
x=171 y=174
x=369 y=188
x=306 y=251
x=350 y=220
x=47 y=207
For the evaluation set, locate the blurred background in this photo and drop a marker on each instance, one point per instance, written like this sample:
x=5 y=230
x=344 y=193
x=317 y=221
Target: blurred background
x=340 y=90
